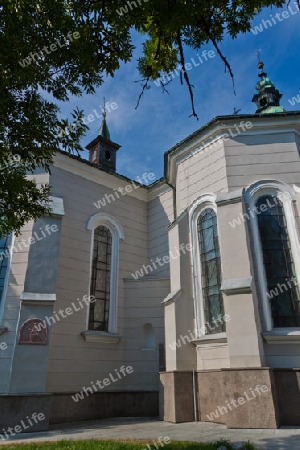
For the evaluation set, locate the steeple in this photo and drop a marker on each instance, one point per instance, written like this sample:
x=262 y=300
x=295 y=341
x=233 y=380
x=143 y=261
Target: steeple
x=103 y=130
x=267 y=98
x=102 y=151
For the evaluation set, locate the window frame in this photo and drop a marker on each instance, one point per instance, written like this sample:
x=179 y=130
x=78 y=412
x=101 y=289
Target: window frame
x=207 y=201
x=252 y=194
x=10 y=244
x=116 y=230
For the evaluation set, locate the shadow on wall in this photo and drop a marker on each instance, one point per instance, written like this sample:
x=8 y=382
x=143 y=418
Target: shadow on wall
x=148 y=337
x=287 y=383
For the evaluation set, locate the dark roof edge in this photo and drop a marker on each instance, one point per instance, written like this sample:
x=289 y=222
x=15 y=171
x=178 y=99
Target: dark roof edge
x=160 y=180
x=85 y=161
x=219 y=119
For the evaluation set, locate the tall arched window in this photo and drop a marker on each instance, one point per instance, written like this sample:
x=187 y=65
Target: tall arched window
x=283 y=291
x=100 y=279
x=106 y=233
x=210 y=270
x=4 y=266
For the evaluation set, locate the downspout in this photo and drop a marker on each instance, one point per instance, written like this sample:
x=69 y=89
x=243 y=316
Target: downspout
x=166 y=170
x=174 y=200
x=195 y=396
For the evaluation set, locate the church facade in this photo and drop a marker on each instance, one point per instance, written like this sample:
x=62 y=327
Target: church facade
x=178 y=297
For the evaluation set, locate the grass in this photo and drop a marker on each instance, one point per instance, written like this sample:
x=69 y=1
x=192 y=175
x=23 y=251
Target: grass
x=122 y=445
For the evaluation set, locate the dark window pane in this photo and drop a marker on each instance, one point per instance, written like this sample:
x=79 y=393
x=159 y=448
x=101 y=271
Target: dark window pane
x=283 y=292
x=210 y=270
x=100 y=280
x=4 y=257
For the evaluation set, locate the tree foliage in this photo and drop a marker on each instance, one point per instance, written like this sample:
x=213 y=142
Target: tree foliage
x=66 y=48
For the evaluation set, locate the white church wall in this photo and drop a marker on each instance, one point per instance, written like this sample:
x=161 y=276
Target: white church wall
x=249 y=157
x=255 y=157
x=12 y=305
x=143 y=307
x=202 y=172
x=160 y=215
x=73 y=362
x=240 y=302
x=212 y=356
x=10 y=309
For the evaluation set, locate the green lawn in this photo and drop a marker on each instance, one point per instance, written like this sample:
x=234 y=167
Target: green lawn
x=121 y=445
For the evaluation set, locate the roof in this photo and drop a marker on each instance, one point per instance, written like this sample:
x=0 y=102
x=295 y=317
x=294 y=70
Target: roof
x=173 y=149
x=224 y=119
x=103 y=130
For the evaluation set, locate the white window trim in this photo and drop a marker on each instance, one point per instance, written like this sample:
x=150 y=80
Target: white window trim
x=117 y=233
x=202 y=203
x=11 y=240
x=251 y=195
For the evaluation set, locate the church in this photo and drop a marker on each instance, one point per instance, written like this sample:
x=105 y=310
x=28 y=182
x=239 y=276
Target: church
x=175 y=297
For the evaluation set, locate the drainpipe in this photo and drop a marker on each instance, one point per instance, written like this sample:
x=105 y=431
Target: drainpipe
x=174 y=199
x=195 y=396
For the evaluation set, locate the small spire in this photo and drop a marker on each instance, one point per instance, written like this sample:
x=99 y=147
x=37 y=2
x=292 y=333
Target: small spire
x=267 y=98
x=103 y=130
x=259 y=52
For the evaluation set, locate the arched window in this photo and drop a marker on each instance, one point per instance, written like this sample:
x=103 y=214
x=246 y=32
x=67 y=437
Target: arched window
x=5 y=257
x=210 y=271
x=100 y=279
x=106 y=233
x=283 y=291
x=4 y=262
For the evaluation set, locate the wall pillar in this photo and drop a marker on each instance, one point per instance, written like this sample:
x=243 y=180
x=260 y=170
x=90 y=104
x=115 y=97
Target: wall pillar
x=239 y=293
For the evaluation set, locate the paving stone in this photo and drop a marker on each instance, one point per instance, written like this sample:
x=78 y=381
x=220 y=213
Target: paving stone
x=149 y=430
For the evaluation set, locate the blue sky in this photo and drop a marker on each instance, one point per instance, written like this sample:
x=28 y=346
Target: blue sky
x=162 y=120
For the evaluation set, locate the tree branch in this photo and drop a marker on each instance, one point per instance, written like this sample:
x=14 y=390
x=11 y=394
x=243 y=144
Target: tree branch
x=146 y=86
x=185 y=75
x=224 y=59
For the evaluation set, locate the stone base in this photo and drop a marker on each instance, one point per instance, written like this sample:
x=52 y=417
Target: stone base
x=238 y=398
x=178 y=397
x=103 y=405
x=58 y=408
x=17 y=411
x=287 y=382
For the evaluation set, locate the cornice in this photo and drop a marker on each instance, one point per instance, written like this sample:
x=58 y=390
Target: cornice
x=158 y=189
